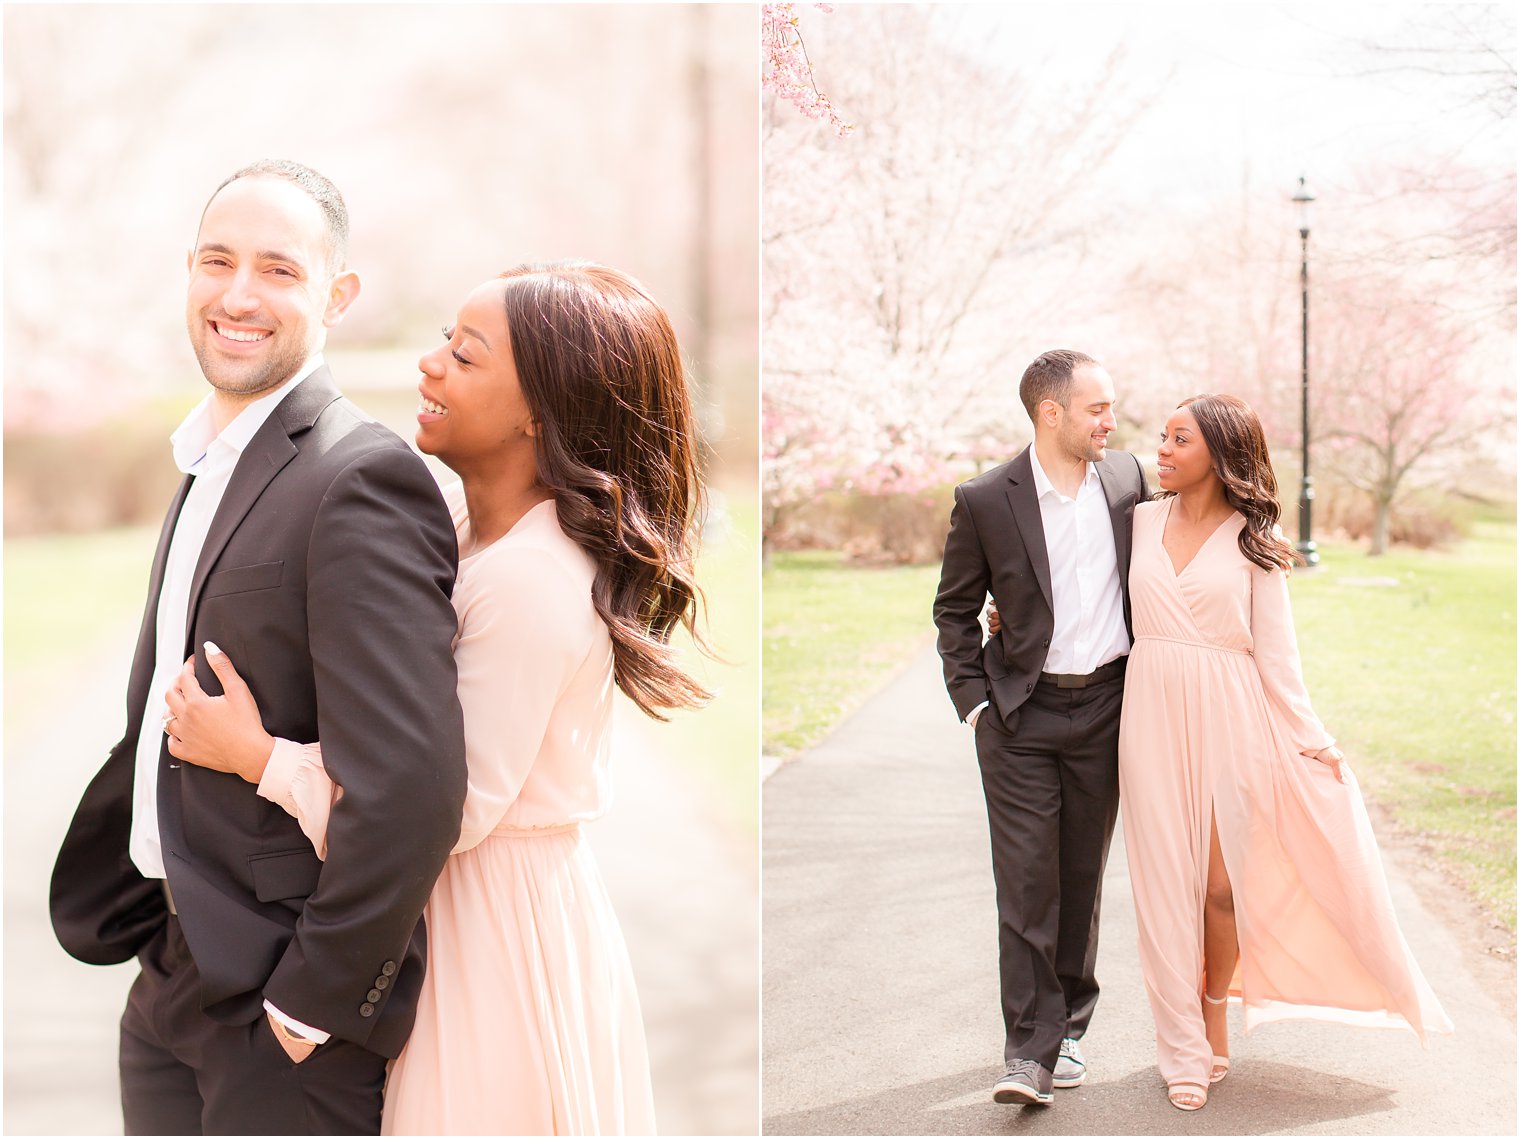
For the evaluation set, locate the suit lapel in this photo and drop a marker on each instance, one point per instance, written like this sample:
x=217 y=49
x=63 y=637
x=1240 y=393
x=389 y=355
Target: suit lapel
x=1025 y=504
x=266 y=454
x=1119 y=514
x=146 y=654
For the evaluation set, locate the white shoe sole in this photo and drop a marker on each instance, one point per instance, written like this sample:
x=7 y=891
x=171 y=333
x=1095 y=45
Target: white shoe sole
x=1069 y=1081
x=1020 y=1093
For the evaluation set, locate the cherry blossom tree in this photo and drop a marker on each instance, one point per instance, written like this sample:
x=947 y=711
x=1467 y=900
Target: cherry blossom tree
x=789 y=71
x=1462 y=56
x=907 y=265
x=912 y=270
x=1406 y=359
x=1405 y=387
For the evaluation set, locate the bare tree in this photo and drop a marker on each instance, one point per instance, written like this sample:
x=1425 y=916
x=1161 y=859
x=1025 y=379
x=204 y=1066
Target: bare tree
x=1462 y=56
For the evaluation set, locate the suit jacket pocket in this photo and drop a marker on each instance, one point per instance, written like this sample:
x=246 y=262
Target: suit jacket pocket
x=244 y=579
x=284 y=874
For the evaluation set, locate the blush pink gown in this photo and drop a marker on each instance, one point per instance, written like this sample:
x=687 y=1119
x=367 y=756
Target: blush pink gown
x=528 y=1021
x=1215 y=723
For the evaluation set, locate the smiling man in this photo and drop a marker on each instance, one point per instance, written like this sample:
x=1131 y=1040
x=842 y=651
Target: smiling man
x=1048 y=536
x=313 y=545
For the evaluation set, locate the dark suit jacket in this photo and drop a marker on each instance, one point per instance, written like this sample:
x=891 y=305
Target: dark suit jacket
x=326 y=577
x=997 y=545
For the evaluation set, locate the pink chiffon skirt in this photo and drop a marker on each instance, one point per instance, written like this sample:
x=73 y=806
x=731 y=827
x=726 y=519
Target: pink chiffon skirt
x=528 y=1022
x=1199 y=745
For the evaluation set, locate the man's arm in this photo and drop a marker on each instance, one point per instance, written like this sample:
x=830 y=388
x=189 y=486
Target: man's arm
x=963 y=584
x=380 y=627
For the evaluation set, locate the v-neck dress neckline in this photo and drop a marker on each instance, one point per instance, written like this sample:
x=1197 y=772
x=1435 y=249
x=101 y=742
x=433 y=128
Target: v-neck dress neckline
x=1214 y=533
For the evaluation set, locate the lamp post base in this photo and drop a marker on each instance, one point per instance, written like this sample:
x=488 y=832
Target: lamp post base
x=1309 y=551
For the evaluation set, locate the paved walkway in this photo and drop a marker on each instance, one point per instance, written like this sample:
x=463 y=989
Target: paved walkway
x=685 y=888
x=880 y=987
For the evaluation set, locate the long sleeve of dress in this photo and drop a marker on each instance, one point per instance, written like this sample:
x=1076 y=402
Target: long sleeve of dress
x=295 y=779
x=522 y=637
x=1275 y=647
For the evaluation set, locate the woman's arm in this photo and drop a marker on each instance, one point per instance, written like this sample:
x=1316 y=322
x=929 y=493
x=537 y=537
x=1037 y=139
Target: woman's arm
x=295 y=779
x=523 y=633
x=226 y=733
x=1275 y=647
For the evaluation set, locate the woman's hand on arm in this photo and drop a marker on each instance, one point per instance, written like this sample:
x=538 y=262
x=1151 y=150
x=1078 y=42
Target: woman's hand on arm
x=223 y=733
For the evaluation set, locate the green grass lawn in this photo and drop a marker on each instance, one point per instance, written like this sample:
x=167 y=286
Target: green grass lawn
x=101 y=576
x=62 y=594
x=833 y=635
x=719 y=744
x=1410 y=660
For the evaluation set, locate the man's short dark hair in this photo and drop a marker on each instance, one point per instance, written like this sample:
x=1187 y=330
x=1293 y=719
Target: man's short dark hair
x=317 y=188
x=1049 y=377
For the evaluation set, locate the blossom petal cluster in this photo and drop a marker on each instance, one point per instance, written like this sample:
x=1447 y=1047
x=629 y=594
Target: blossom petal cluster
x=790 y=72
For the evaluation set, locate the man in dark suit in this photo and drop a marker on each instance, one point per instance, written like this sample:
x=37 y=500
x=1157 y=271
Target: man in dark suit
x=312 y=545
x=1048 y=536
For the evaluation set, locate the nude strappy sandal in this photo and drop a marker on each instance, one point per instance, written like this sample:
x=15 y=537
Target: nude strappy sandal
x=1187 y=1088
x=1221 y=1067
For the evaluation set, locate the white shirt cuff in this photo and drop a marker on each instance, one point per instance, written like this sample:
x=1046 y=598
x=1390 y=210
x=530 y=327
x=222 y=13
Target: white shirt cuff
x=971 y=716
x=315 y=1035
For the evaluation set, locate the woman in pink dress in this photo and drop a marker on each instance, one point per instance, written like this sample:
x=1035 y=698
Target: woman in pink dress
x=1255 y=872
x=561 y=402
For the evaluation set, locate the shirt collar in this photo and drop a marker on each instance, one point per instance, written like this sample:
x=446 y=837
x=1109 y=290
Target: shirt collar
x=1042 y=483
x=193 y=438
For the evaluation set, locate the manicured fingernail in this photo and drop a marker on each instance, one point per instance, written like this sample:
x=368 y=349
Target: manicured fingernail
x=212 y=649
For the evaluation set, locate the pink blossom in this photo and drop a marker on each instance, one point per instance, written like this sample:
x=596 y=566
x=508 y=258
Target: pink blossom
x=791 y=72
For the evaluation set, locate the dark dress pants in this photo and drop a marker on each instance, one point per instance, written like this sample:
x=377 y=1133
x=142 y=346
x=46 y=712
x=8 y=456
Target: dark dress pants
x=1052 y=788
x=183 y=1073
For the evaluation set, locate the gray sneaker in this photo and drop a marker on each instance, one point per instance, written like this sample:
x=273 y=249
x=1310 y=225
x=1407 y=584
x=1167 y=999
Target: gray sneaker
x=1025 y=1081
x=1071 y=1068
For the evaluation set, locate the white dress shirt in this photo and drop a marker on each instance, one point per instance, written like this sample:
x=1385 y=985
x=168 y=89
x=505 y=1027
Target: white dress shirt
x=1084 y=577
x=209 y=456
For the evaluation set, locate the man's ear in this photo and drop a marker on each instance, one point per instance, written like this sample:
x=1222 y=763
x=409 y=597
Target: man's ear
x=343 y=292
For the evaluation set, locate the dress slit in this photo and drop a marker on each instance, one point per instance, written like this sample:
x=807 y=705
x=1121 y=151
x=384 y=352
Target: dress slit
x=1217 y=732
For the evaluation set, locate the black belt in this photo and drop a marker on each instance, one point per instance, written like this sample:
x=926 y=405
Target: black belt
x=1113 y=670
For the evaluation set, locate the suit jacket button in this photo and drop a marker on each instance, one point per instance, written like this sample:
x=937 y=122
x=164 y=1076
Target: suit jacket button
x=366 y=1009
x=1029 y=688
x=382 y=982
x=372 y=995
x=1045 y=644
x=389 y=968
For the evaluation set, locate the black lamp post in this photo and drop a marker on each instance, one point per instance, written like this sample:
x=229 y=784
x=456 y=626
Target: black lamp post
x=1306 y=547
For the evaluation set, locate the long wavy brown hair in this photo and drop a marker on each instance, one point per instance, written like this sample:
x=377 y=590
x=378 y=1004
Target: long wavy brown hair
x=603 y=378
x=1238 y=451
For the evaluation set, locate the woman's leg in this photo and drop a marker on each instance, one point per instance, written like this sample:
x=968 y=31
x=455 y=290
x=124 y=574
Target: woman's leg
x=1221 y=950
